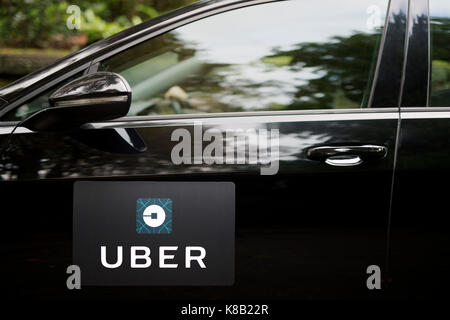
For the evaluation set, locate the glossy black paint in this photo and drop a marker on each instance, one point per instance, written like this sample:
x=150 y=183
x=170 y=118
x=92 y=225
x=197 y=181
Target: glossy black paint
x=115 y=140
x=296 y=137
x=332 y=222
x=94 y=85
x=387 y=82
x=420 y=250
x=99 y=96
x=417 y=68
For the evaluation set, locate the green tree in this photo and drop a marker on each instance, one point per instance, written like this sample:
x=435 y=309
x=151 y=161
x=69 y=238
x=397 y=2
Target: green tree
x=341 y=67
x=39 y=23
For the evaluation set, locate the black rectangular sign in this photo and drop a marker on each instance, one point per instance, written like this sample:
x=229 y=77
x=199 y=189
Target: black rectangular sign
x=154 y=233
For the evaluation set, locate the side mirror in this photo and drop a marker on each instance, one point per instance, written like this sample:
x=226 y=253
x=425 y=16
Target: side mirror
x=94 y=97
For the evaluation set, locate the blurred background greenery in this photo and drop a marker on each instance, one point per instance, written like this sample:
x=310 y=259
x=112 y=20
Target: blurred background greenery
x=33 y=33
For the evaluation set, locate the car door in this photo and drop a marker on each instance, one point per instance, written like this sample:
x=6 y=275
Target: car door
x=312 y=206
x=420 y=256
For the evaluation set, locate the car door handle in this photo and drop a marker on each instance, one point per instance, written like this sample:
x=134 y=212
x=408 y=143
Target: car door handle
x=346 y=155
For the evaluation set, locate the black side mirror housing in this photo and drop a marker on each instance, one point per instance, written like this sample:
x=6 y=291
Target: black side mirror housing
x=99 y=96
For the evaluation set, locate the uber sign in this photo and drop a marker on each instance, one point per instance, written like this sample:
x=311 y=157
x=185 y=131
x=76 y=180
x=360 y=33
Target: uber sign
x=154 y=233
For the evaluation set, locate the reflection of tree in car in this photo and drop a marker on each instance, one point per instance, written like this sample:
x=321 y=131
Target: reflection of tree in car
x=440 y=55
x=308 y=75
x=334 y=74
x=341 y=67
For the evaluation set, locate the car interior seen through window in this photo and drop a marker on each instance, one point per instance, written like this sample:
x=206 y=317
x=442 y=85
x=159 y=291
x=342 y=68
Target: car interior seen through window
x=36 y=104
x=246 y=60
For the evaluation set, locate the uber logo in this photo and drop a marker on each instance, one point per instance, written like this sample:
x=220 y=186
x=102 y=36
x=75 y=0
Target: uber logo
x=140 y=257
x=154 y=216
x=123 y=233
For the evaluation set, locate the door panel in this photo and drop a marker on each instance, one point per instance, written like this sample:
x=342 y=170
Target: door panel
x=420 y=242
x=310 y=230
x=420 y=246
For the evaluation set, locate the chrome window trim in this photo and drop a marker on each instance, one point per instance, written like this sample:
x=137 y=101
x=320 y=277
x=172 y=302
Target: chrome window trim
x=263 y=119
x=233 y=117
x=425 y=113
x=429 y=115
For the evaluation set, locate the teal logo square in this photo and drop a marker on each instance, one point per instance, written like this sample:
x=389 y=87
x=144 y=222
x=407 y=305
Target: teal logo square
x=154 y=216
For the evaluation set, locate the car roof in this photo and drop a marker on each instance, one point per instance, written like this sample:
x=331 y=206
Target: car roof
x=37 y=79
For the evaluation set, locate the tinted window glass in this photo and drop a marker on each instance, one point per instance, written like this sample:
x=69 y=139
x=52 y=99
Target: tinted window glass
x=38 y=103
x=277 y=56
x=440 y=53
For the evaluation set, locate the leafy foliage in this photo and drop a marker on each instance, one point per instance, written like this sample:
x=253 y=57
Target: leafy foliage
x=39 y=23
x=440 y=34
x=340 y=70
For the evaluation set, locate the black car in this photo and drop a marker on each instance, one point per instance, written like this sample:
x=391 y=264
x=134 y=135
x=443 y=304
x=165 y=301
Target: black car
x=357 y=92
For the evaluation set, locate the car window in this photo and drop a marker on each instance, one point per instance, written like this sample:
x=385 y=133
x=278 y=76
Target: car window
x=35 y=104
x=277 y=56
x=440 y=53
